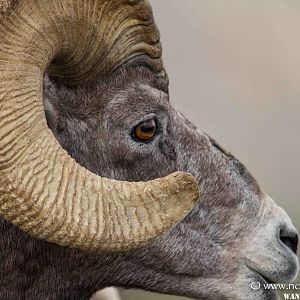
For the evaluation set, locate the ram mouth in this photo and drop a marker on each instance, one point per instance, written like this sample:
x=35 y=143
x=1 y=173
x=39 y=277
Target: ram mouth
x=260 y=275
x=268 y=281
x=266 y=290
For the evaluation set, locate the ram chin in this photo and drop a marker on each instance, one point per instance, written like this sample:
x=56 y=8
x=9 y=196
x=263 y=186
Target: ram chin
x=246 y=285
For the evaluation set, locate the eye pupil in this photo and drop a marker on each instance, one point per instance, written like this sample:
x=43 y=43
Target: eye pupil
x=145 y=131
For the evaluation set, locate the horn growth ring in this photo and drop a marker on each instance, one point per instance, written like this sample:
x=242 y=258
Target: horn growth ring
x=43 y=191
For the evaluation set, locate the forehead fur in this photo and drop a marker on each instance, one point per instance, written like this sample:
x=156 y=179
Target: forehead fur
x=88 y=100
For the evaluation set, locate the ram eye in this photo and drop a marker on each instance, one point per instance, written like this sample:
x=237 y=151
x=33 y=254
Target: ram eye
x=145 y=131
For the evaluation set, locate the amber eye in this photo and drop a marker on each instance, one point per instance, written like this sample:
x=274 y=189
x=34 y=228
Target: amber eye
x=145 y=131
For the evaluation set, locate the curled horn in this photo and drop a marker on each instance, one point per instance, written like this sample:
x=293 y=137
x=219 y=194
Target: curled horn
x=43 y=191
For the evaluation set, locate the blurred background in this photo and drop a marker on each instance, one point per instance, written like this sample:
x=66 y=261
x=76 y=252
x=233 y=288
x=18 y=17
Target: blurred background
x=234 y=68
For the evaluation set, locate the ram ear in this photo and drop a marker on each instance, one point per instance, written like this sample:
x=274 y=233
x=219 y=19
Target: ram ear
x=51 y=106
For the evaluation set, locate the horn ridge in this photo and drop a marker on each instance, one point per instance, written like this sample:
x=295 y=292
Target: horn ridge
x=43 y=191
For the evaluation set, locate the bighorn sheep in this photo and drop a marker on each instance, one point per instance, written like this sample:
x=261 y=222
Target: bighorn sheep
x=65 y=231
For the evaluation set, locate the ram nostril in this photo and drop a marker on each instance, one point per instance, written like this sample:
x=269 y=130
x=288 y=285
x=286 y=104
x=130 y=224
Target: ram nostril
x=290 y=241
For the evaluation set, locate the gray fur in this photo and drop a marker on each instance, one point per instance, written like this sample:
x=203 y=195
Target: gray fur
x=229 y=238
